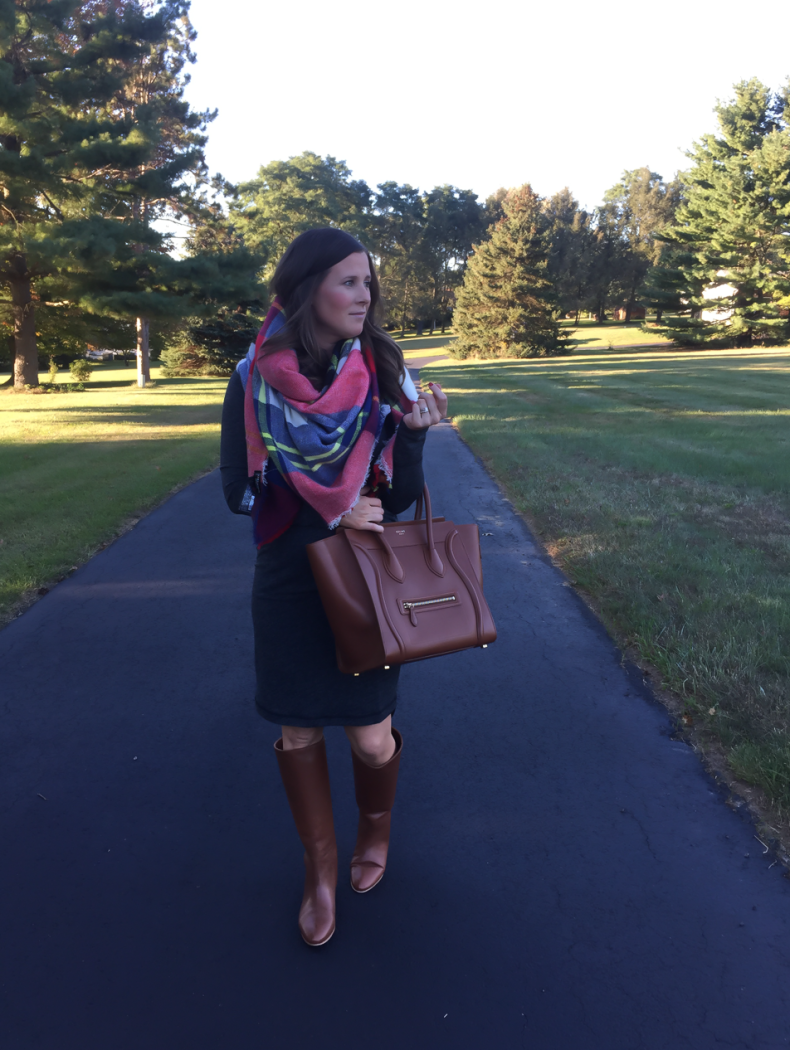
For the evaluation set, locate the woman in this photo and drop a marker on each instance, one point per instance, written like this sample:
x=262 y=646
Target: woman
x=323 y=428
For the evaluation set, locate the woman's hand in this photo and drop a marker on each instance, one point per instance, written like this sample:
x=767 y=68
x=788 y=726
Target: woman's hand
x=366 y=515
x=430 y=409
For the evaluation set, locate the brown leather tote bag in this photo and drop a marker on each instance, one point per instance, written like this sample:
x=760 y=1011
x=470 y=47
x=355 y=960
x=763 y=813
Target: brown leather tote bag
x=412 y=591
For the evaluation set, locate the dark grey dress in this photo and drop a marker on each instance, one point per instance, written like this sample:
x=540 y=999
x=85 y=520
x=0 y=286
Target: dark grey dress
x=298 y=683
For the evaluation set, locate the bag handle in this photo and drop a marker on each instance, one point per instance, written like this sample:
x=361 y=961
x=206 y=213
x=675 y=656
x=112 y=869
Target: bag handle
x=431 y=554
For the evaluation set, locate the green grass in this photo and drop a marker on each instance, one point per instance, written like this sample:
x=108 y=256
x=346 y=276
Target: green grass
x=425 y=346
x=77 y=467
x=589 y=335
x=661 y=482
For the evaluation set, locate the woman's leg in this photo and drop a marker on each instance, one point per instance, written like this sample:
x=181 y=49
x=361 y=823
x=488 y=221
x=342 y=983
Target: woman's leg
x=375 y=753
x=300 y=736
x=373 y=744
x=301 y=755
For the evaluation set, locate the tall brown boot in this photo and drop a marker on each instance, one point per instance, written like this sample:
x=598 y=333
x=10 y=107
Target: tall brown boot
x=375 y=791
x=305 y=775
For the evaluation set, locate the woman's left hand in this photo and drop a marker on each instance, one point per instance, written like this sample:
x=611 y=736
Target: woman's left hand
x=429 y=409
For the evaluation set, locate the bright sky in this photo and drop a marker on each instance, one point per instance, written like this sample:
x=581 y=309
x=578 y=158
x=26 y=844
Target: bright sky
x=479 y=95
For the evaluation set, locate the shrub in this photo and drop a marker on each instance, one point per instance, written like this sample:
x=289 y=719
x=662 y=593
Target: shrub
x=182 y=360
x=81 y=370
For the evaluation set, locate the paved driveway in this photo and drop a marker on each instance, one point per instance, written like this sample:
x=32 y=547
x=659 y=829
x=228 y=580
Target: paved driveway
x=564 y=875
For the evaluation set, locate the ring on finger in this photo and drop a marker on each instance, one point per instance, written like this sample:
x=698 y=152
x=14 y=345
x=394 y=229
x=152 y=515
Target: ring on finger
x=423 y=410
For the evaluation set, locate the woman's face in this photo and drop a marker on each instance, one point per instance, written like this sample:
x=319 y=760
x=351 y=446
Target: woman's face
x=341 y=301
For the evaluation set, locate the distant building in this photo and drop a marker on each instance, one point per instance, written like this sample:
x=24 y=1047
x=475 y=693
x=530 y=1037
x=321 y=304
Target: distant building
x=717 y=291
x=637 y=313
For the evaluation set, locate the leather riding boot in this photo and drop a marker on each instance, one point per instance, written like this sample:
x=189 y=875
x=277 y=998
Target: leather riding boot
x=305 y=775
x=375 y=791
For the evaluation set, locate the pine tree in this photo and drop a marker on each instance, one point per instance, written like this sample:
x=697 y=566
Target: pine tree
x=728 y=266
x=96 y=142
x=504 y=308
x=56 y=72
x=165 y=180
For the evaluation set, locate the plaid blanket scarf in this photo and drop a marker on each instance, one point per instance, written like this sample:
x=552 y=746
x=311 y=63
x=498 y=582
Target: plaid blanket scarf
x=311 y=446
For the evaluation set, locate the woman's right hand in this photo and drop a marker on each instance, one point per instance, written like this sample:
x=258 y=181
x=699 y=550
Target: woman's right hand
x=366 y=515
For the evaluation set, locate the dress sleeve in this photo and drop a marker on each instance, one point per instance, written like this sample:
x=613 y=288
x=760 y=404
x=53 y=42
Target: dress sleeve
x=408 y=479
x=237 y=487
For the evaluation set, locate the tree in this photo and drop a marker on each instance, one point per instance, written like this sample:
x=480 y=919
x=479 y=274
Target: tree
x=56 y=73
x=494 y=209
x=570 y=241
x=96 y=141
x=505 y=306
x=397 y=228
x=452 y=222
x=288 y=197
x=165 y=179
x=728 y=267
x=636 y=209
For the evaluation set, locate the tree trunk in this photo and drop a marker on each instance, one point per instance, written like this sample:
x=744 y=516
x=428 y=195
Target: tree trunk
x=629 y=307
x=659 y=315
x=143 y=357
x=25 y=349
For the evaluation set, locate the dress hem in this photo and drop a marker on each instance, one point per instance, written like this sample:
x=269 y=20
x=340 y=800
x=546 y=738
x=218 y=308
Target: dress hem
x=290 y=720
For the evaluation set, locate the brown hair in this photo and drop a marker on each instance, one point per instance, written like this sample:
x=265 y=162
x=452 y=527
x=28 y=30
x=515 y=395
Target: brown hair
x=299 y=273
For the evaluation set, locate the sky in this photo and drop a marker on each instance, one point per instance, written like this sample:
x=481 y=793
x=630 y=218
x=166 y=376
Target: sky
x=479 y=95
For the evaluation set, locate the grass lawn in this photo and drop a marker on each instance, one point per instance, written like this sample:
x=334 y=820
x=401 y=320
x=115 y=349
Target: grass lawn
x=424 y=346
x=589 y=335
x=76 y=468
x=661 y=483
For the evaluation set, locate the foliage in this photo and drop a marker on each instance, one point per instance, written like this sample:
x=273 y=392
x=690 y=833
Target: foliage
x=570 y=251
x=452 y=222
x=507 y=300
x=420 y=239
x=213 y=346
x=728 y=262
x=96 y=141
x=81 y=370
x=288 y=197
x=635 y=211
x=57 y=72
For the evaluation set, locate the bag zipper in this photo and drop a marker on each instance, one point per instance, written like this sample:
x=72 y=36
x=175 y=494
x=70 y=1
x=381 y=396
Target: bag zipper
x=427 y=601
x=411 y=607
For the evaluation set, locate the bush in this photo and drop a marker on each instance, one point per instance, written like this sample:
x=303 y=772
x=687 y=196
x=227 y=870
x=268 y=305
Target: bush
x=81 y=370
x=182 y=360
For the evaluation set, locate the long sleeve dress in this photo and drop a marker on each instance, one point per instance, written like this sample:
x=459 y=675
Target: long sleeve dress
x=298 y=683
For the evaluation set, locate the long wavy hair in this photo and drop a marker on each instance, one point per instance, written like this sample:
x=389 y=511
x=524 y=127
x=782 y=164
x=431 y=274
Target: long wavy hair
x=299 y=272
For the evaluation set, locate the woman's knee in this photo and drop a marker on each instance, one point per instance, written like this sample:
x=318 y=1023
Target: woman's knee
x=300 y=736
x=375 y=744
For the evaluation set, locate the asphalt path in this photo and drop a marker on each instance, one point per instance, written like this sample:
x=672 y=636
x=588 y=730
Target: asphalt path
x=563 y=874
